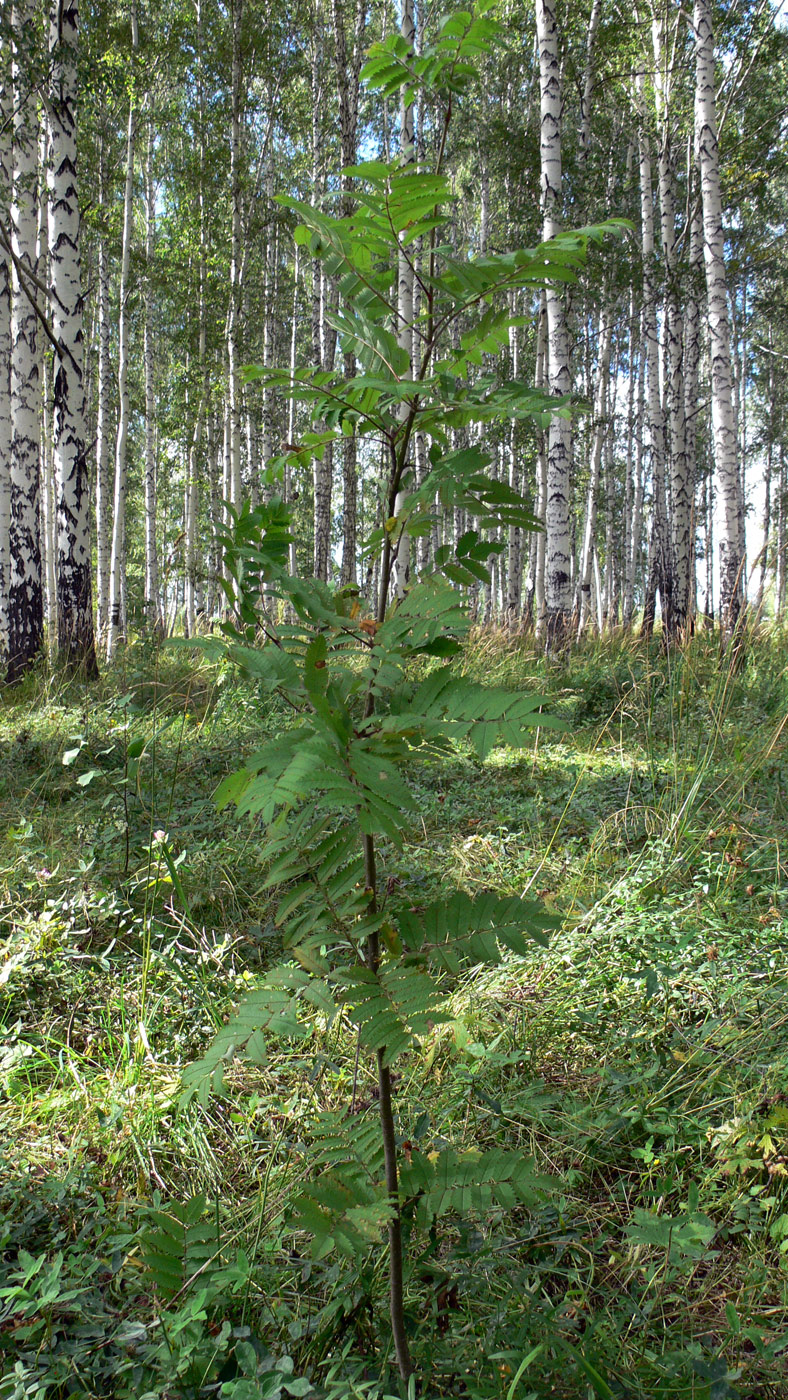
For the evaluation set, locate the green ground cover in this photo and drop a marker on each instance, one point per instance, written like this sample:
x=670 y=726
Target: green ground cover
x=146 y=1247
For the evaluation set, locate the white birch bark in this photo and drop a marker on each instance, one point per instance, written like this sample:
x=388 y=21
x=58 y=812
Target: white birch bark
x=781 y=544
x=103 y=533
x=765 y=557
x=48 y=511
x=514 y=563
x=612 y=552
x=597 y=443
x=659 y=566
x=288 y=484
x=633 y=365
x=192 y=600
x=192 y=488
x=348 y=67
x=74 y=563
x=558 y=581
x=540 y=380
x=728 y=480
x=268 y=353
x=323 y=466
x=680 y=561
x=234 y=394
x=401 y=563
x=692 y=349
x=152 y=605
x=25 y=594
x=47 y=506
x=116 y=620
x=588 y=79
x=322 y=470
x=6 y=422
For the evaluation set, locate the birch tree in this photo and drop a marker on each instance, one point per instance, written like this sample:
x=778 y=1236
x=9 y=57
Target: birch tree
x=233 y=465
x=678 y=559
x=6 y=423
x=104 y=371
x=25 y=593
x=74 y=565
x=558 y=549
x=322 y=471
x=192 y=491
x=660 y=571
x=151 y=595
x=348 y=67
x=405 y=281
x=728 y=480
x=116 y=620
x=597 y=444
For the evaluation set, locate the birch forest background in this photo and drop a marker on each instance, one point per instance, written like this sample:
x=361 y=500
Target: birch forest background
x=393 y=589
x=146 y=262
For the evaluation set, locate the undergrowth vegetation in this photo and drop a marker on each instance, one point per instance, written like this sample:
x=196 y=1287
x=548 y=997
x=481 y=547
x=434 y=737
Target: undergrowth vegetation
x=148 y=1246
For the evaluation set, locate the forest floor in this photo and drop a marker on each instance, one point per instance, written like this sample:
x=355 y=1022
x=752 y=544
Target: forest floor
x=642 y=1060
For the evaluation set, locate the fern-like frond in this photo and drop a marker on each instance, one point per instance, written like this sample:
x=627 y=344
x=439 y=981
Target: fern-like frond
x=339 y=1213
x=469 y=1182
x=392 y=1007
x=271 y=1008
x=177 y=1244
x=465 y=929
x=449 y=706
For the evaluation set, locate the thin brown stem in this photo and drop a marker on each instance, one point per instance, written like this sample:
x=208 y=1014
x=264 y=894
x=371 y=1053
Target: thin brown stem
x=389 y=1136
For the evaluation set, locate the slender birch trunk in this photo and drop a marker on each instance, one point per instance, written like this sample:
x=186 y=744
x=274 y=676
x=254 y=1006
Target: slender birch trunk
x=597 y=444
x=659 y=577
x=76 y=643
x=6 y=421
x=117 y=568
x=49 y=532
x=25 y=594
x=48 y=508
x=348 y=68
x=291 y=554
x=322 y=471
x=401 y=563
x=558 y=580
x=588 y=79
x=192 y=497
x=767 y=522
x=514 y=564
x=612 y=551
x=726 y=461
x=103 y=534
x=781 y=573
x=233 y=484
x=152 y=605
x=540 y=380
x=192 y=500
x=628 y=583
x=765 y=558
x=267 y=448
x=679 y=560
x=692 y=350
x=323 y=466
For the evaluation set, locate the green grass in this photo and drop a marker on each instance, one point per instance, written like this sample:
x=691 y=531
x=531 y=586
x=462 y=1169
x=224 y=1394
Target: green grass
x=642 y=1061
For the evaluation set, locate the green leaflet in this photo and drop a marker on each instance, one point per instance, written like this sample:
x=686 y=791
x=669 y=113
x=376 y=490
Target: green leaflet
x=333 y=1213
x=270 y=1009
x=177 y=1244
x=347 y=1207
x=470 y=1182
x=391 y=1008
x=452 y=707
x=461 y=929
